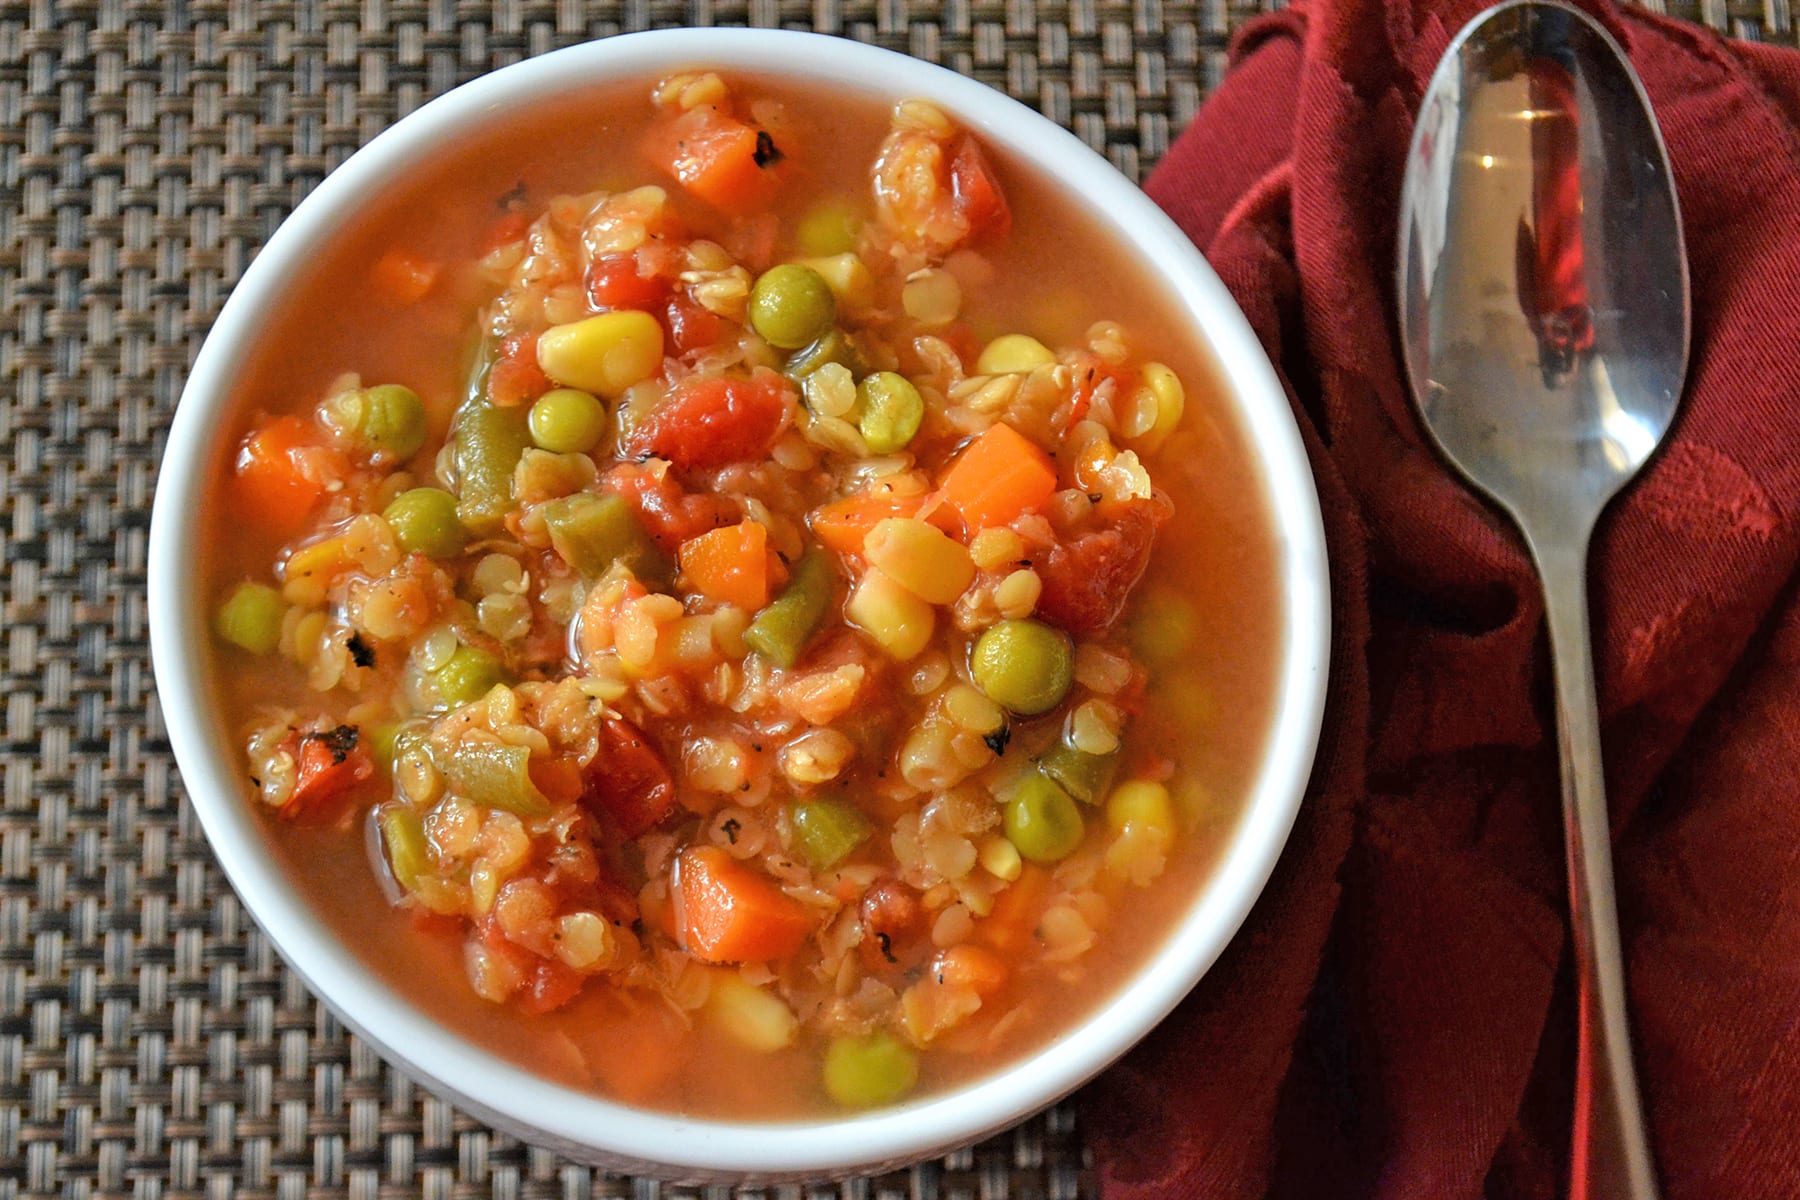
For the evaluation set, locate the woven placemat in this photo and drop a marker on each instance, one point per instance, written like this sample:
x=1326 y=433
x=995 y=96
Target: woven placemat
x=151 y=1042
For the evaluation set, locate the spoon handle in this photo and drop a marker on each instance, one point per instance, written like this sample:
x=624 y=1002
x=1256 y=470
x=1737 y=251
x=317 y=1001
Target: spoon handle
x=1610 y=1158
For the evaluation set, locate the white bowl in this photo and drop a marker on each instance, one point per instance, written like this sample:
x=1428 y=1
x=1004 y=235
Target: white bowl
x=587 y=1127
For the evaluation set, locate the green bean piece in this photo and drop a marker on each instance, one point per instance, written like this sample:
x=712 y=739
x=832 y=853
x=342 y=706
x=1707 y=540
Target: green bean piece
x=496 y=775
x=424 y=521
x=489 y=442
x=1084 y=776
x=567 y=421
x=781 y=631
x=403 y=837
x=835 y=347
x=386 y=420
x=868 y=1072
x=1041 y=821
x=251 y=617
x=892 y=410
x=791 y=305
x=594 y=532
x=826 y=830
x=1025 y=666
x=831 y=228
x=468 y=676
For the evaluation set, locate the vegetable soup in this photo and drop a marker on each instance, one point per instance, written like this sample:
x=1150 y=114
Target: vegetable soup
x=745 y=605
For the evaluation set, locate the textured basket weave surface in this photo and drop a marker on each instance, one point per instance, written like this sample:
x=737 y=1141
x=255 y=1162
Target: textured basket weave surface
x=151 y=1042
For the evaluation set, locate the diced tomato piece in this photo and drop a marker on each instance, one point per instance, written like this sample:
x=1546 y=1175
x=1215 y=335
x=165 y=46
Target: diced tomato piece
x=670 y=512
x=692 y=327
x=628 y=779
x=977 y=192
x=711 y=422
x=516 y=377
x=270 y=486
x=559 y=779
x=720 y=159
x=1088 y=578
x=552 y=985
x=508 y=229
x=614 y=281
x=331 y=763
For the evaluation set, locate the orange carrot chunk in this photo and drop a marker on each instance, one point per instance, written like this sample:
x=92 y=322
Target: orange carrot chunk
x=1000 y=477
x=270 y=485
x=730 y=565
x=402 y=278
x=726 y=913
x=843 y=524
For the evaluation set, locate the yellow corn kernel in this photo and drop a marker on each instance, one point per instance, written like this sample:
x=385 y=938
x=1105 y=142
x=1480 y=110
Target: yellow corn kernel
x=972 y=710
x=604 y=354
x=921 y=558
x=1171 y=403
x=748 y=1014
x=1000 y=858
x=1141 y=802
x=993 y=549
x=852 y=284
x=898 y=620
x=311 y=569
x=1018 y=594
x=931 y=297
x=1013 y=353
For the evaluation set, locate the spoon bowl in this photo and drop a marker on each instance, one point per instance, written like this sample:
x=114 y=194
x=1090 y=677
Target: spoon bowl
x=1543 y=284
x=1544 y=317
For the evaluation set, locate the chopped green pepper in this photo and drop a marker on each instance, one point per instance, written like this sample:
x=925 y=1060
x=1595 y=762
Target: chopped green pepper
x=593 y=532
x=834 y=347
x=496 y=775
x=780 y=631
x=1084 y=776
x=826 y=830
x=468 y=676
x=403 y=836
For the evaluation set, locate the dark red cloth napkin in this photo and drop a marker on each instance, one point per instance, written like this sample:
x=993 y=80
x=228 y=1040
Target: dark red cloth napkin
x=1395 y=1020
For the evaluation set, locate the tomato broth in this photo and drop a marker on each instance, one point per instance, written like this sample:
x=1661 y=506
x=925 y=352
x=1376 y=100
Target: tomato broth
x=398 y=295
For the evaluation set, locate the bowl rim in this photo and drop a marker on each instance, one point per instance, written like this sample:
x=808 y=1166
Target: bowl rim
x=586 y=1124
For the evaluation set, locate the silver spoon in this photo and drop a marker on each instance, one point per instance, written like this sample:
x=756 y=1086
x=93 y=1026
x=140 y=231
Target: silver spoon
x=1544 y=316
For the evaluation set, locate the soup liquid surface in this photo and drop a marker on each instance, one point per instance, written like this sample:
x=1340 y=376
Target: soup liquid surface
x=1053 y=277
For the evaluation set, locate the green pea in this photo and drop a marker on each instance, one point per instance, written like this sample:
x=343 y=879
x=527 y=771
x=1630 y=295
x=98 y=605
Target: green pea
x=1162 y=627
x=1025 y=667
x=251 y=617
x=1042 y=822
x=869 y=1072
x=831 y=228
x=424 y=521
x=388 y=420
x=567 y=421
x=468 y=676
x=791 y=305
x=827 y=830
x=891 y=411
